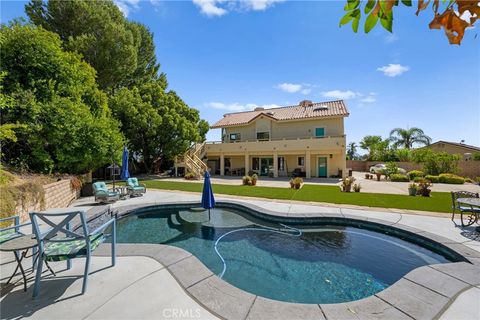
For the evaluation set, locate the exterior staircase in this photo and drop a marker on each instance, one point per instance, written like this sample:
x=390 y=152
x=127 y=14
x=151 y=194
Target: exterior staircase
x=192 y=160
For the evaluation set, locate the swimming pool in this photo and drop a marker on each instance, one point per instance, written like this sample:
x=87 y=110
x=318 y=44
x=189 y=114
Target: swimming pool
x=326 y=262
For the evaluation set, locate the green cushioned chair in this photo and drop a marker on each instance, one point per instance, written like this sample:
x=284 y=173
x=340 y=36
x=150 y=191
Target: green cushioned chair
x=12 y=231
x=103 y=194
x=134 y=188
x=61 y=243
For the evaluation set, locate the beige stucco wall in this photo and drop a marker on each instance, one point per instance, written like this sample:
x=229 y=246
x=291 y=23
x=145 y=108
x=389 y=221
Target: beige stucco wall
x=453 y=149
x=288 y=129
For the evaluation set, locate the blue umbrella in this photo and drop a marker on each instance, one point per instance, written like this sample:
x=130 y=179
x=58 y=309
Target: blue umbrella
x=208 y=201
x=124 y=174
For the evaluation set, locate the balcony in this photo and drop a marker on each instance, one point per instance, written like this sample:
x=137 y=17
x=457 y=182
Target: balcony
x=330 y=144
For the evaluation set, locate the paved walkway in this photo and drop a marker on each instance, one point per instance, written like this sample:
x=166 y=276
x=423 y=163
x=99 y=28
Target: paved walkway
x=140 y=288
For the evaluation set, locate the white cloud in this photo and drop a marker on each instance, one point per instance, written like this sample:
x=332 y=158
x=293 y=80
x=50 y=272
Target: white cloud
x=127 y=5
x=390 y=38
x=393 y=70
x=237 y=107
x=289 y=87
x=303 y=88
x=210 y=8
x=260 y=5
x=218 y=8
x=339 y=94
x=369 y=98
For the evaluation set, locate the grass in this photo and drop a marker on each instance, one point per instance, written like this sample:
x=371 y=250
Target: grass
x=437 y=202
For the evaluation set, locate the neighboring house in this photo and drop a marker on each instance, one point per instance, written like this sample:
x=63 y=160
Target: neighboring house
x=308 y=139
x=453 y=147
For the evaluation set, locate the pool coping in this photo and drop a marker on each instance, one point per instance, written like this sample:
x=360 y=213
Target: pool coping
x=423 y=293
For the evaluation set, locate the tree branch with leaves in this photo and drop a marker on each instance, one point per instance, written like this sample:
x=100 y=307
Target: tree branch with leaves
x=451 y=15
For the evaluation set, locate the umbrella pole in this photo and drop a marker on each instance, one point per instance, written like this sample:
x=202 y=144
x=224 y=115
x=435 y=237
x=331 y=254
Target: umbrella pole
x=208 y=214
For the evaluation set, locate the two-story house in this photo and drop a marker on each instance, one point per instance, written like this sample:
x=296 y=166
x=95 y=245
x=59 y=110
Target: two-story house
x=307 y=139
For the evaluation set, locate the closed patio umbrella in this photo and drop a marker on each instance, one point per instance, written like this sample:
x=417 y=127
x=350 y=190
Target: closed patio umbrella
x=124 y=174
x=208 y=200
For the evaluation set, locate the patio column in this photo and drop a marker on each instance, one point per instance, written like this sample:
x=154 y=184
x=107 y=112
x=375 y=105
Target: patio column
x=222 y=165
x=308 y=169
x=275 y=165
x=247 y=163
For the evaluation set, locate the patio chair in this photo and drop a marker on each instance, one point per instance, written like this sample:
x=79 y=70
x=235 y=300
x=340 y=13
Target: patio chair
x=102 y=194
x=134 y=188
x=11 y=232
x=467 y=214
x=60 y=243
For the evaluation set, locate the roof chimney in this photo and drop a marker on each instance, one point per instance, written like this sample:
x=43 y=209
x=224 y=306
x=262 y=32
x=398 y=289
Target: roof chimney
x=306 y=103
x=259 y=109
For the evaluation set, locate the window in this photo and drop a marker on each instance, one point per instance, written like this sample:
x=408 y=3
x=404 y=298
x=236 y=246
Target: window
x=301 y=161
x=263 y=135
x=281 y=164
x=319 y=132
x=234 y=136
x=255 y=164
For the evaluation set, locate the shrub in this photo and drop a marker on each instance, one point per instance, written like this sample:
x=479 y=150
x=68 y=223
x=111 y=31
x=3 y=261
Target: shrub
x=435 y=163
x=415 y=174
x=390 y=169
x=296 y=182
x=397 y=177
x=433 y=179
x=450 y=179
x=418 y=179
x=357 y=187
x=476 y=156
x=246 y=180
x=189 y=176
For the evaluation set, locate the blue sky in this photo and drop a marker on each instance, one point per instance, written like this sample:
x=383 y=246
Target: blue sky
x=232 y=56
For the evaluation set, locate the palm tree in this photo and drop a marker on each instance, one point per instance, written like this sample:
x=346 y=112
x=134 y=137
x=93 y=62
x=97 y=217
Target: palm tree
x=408 y=137
x=352 y=151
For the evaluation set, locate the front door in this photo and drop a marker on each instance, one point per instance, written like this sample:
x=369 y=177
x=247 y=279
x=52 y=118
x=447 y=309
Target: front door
x=322 y=167
x=266 y=166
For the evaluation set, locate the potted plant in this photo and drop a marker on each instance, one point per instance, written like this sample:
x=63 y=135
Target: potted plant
x=297 y=182
x=367 y=176
x=292 y=185
x=254 y=179
x=246 y=180
x=347 y=183
x=424 y=188
x=412 y=189
x=357 y=187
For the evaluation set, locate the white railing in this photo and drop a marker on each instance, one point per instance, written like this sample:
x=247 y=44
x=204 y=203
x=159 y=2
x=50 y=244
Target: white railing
x=276 y=139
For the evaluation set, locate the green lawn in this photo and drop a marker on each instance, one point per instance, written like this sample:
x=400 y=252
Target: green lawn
x=438 y=202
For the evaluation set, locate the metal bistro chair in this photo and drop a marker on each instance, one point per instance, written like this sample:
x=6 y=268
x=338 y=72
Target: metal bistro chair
x=61 y=243
x=468 y=215
x=11 y=232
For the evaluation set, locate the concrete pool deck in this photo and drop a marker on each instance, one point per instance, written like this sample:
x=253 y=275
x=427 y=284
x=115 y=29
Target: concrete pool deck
x=149 y=298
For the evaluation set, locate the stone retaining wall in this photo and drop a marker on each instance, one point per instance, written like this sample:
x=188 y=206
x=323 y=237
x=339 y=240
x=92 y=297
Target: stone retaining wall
x=57 y=195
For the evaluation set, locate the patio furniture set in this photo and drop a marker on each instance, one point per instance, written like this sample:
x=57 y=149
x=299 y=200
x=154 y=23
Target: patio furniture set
x=56 y=243
x=468 y=204
x=104 y=195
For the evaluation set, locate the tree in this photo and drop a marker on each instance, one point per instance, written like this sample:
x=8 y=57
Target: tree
x=66 y=123
x=159 y=124
x=121 y=52
x=406 y=138
x=450 y=18
x=375 y=146
x=352 y=151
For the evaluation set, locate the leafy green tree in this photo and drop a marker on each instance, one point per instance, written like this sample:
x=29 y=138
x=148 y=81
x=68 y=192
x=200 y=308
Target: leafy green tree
x=435 y=163
x=159 y=124
x=406 y=138
x=67 y=125
x=375 y=146
x=352 y=151
x=121 y=52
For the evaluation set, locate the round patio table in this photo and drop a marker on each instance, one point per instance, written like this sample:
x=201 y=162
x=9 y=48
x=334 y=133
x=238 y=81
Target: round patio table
x=471 y=202
x=21 y=243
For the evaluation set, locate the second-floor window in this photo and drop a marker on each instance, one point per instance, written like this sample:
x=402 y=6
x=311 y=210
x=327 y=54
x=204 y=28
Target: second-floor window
x=263 y=135
x=234 y=136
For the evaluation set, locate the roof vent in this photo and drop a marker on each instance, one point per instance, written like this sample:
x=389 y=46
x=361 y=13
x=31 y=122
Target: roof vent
x=259 y=109
x=321 y=108
x=306 y=103
x=270 y=113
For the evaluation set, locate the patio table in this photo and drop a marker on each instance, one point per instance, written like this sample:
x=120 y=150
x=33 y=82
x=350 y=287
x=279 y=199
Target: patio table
x=471 y=202
x=23 y=244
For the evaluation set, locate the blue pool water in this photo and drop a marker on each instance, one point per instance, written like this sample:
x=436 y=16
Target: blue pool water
x=295 y=263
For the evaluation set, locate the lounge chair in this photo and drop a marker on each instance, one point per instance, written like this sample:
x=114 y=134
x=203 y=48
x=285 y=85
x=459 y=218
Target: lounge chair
x=102 y=194
x=134 y=188
x=61 y=243
x=467 y=214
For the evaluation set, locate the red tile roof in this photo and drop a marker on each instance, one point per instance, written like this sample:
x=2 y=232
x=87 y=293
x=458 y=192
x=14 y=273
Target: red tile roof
x=326 y=109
